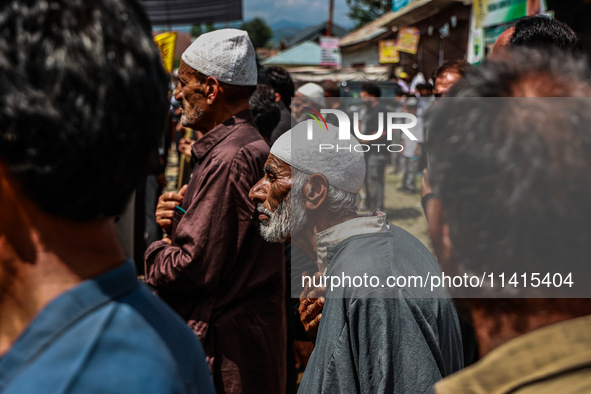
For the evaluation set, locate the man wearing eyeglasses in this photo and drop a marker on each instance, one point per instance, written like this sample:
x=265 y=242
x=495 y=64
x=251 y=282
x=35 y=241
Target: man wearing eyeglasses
x=214 y=268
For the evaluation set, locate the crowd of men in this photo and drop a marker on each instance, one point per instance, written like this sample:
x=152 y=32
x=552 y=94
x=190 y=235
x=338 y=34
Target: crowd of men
x=84 y=102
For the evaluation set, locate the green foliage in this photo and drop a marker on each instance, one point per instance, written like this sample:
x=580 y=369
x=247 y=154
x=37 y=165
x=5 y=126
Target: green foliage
x=199 y=29
x=259 y=32
x=364 y=11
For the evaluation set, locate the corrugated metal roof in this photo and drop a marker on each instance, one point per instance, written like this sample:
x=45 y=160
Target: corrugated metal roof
x=178 y=12
x=366 y=32
x=304 y=54
x=415 y=11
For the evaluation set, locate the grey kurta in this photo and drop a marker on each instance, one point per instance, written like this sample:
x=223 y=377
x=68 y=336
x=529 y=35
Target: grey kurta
x=371 y=344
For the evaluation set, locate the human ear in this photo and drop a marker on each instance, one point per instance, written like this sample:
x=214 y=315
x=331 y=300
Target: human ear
x=212 y=88
x=315 y=191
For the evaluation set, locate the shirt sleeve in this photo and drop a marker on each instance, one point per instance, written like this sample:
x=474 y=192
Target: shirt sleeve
x=207 y=235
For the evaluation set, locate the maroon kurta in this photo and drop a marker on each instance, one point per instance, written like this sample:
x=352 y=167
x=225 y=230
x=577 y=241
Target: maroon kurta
x=219 y=274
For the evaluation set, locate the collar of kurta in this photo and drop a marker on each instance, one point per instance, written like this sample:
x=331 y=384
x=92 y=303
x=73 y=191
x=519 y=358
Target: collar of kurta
x=365 y=224
x=213 y=137
x=535 y=357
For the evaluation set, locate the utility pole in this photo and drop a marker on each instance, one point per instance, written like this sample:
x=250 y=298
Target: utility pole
x=329 y=27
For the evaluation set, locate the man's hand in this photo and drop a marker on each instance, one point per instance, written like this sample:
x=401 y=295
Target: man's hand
x=165 y=208
x=185 y=145
x=302 y=350
x=311 y=303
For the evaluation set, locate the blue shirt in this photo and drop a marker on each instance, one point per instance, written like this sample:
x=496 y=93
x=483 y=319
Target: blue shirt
x=107 y=335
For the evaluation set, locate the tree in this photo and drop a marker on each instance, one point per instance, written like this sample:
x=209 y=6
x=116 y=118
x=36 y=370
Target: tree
x=364 y=11
x=259 y=32
x=198 y=29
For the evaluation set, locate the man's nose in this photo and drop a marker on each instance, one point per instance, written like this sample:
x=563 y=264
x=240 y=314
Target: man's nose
x=258 y=193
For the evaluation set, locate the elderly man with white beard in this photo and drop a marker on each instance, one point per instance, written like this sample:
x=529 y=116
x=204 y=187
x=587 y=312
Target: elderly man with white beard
x=370 y=339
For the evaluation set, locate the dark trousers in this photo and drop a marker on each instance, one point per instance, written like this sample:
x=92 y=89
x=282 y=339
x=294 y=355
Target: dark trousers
x=374 y=181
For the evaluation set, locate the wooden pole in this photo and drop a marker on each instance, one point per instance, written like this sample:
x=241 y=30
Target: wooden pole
x=184 y=164
x=329 y=27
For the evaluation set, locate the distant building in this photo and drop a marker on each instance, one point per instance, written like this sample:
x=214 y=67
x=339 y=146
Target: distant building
x=303 y=54
x=265 y=53
x=444 y=27
x=303 y=63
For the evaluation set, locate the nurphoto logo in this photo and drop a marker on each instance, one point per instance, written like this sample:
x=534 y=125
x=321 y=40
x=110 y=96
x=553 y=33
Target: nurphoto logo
x=394 y=121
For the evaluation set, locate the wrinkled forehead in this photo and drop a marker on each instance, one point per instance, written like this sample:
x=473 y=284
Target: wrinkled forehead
x=186 y=73
x=277 y=166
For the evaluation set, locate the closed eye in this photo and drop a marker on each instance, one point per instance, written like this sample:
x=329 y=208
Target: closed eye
x=269 y=172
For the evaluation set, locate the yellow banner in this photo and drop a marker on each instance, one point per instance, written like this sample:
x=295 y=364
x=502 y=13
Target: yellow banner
x=166 y=43
x=408 y=40
x=388 y=52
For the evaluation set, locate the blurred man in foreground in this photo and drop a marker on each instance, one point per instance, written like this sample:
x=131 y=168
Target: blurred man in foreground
x=538 y=31
x=73 y=317
x=521 y=204
x=375 y=339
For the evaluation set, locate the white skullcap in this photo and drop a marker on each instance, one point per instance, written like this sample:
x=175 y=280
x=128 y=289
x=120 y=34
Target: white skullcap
x=313 y=92
x=343 y=169
x=226 y=54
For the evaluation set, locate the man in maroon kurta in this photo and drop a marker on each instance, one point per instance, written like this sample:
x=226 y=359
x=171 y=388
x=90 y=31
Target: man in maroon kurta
x=214 y=269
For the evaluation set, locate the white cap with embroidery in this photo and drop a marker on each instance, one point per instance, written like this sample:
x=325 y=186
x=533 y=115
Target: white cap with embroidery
x=226 y=54
x=343 y=168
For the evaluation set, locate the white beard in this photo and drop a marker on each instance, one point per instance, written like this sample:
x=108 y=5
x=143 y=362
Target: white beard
x=287 y=219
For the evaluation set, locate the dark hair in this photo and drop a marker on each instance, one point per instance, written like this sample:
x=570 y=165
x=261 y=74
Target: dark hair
x=83 y=102
x=459 y=66
x=372 y=89
x=331 y=89
x=281 y=82
x=235 y=94
x=265 y=110
x=424 y=86
x=543 y=31
x=513 y=174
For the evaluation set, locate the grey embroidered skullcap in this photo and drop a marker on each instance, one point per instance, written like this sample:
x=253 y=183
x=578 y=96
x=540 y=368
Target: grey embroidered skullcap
x=313 y=92
x=226 y=54
x=343 y=168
